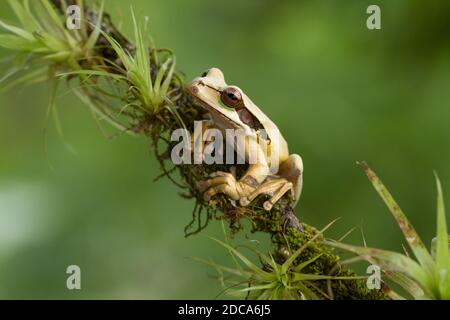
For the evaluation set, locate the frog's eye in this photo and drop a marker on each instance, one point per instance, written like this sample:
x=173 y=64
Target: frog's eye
x=231 y=97
x=205 y=73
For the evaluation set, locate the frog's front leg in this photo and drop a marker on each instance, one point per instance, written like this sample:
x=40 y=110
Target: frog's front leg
x=226 y=183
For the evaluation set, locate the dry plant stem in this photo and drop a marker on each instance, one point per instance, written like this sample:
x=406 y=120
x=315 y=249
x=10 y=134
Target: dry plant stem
x=280 y=223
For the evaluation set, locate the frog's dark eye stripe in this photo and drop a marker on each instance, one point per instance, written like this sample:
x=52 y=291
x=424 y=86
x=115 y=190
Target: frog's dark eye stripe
x=231 y=97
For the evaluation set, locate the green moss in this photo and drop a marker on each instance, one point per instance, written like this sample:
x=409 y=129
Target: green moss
x=178 y=107
x=285 y=240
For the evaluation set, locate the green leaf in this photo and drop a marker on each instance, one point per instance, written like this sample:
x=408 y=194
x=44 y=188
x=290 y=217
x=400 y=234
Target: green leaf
x=52 y=110
x=26 y=6
x=52 y=43
x=302 y=265
x=285 y=266
x=409 y=285
x=253 y=267
x=93 y=37
x=18 y=31
x=58 y=56
x=276 y=293
x=307 y=277
x=393 y=261
x=412 y=237
x=168 y=78
x=92 y=73
x=13 y=42
x=307 y=293
x=26 y=19
x=160 y=75
x=98 y=111
x=269 y=260
x=237 y=272
x=34 y=76
x=442 y=254
x=54 y=16
x=268 y=286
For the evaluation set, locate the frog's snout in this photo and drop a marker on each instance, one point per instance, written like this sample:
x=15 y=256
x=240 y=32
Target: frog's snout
x=193 y=88
x=195 y=84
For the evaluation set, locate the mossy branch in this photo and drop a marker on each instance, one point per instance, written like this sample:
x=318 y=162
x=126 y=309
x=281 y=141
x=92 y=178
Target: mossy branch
x=113 y=62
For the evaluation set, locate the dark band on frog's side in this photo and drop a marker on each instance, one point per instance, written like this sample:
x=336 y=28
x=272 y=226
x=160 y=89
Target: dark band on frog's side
x=250 y=181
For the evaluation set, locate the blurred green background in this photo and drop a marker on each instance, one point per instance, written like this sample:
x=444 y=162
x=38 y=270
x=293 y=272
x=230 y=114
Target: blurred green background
x=338 y=91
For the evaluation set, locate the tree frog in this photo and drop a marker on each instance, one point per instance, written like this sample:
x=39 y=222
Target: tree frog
x=230 y=108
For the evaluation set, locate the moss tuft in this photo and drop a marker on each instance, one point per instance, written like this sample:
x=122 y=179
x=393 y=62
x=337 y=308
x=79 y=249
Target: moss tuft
x=120 y=63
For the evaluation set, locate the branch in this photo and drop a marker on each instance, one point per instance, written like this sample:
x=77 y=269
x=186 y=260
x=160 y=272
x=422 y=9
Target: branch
x=157 y=121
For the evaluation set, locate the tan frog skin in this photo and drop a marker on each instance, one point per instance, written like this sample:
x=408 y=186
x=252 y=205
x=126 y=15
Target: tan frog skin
x=230 y=108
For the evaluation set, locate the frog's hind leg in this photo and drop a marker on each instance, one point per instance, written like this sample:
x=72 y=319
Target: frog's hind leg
x=267 y=187
x=290 y=178
x=276 y=188
x=292 y=170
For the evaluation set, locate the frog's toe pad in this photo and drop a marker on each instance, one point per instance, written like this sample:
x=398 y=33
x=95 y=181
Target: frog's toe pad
x=244 y=201
x=267 y=205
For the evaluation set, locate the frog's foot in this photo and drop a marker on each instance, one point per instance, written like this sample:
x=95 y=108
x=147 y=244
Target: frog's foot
x=277 y=195
x=276 y=188
x=226 y=183
x=267 y=187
